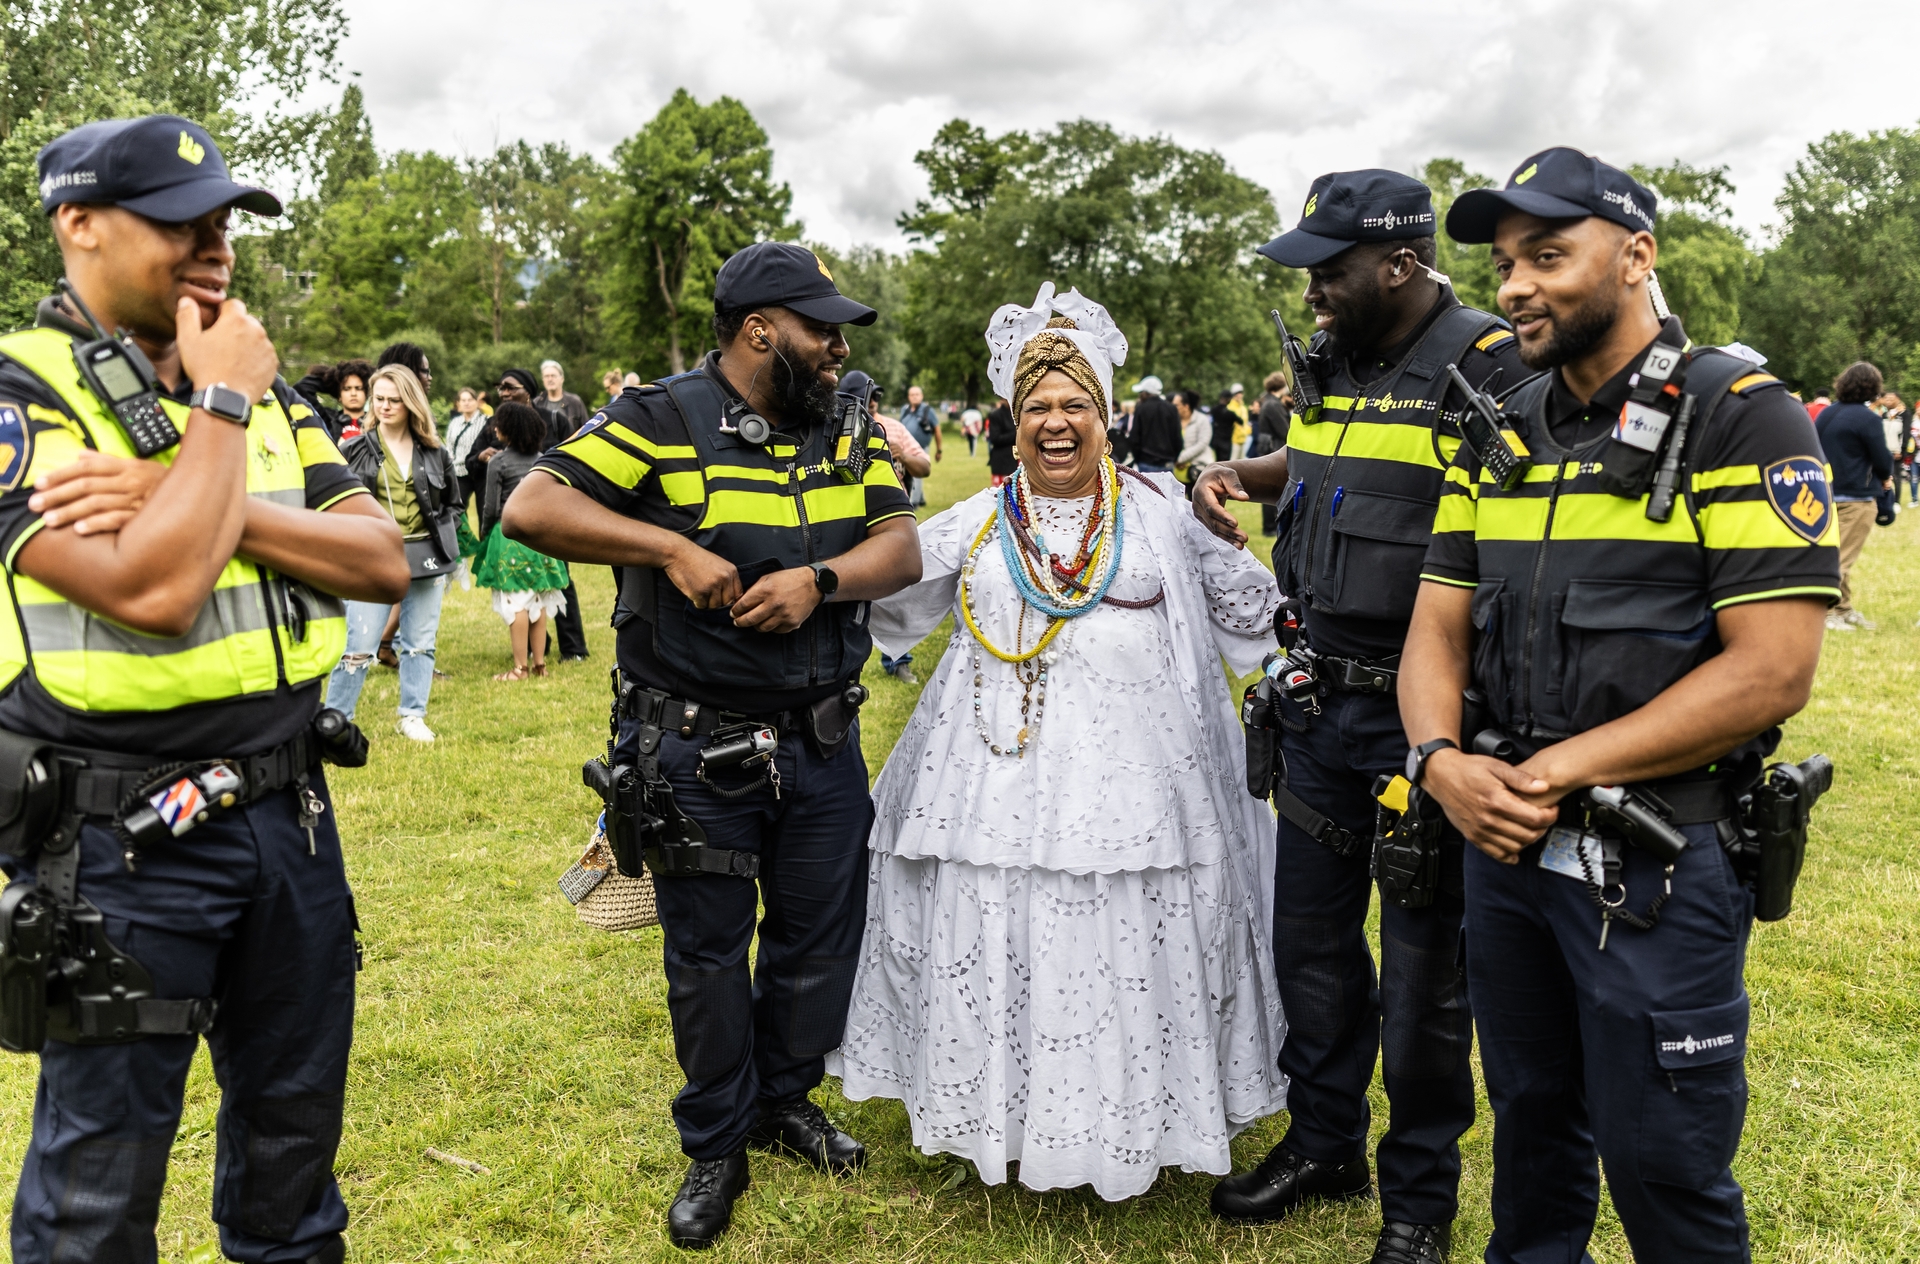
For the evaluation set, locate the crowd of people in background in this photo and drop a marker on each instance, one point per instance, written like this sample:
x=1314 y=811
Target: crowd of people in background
x=428 y=481
x=1868 y=436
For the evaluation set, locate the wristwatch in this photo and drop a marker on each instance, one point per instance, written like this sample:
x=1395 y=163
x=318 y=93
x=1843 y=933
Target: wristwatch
x=1417 y=757
x=825 y=580
x=223 y=402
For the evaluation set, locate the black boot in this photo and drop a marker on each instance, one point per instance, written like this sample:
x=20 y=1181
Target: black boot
x=703 y=1208
x=1284 y=1180
x=801 y=1128
x=333 y=1252
x=1402 y=1243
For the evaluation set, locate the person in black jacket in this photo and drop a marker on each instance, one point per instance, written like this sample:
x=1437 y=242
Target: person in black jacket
x=1157 y=435
x=1855 y=442
x=346 y=382
x=1000 y=431
x=403 y=463
x=527 y=585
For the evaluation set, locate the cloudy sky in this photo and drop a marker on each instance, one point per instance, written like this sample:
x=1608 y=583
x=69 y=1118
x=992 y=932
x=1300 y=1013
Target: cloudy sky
x=848 y=91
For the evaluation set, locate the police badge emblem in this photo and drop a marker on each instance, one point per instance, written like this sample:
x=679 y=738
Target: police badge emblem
x=16 y=446
x=1798 y=491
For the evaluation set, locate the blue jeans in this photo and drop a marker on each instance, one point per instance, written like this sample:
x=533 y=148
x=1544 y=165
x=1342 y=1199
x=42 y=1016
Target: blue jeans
x=890 y=664
x=1587 y=1054
x=366 y=620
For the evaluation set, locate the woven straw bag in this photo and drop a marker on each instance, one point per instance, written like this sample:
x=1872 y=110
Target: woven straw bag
x=603 y=897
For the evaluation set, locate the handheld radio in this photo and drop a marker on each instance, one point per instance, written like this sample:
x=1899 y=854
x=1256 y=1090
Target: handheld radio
x=1498 y=447
x=1306 y=391
x=119 y=372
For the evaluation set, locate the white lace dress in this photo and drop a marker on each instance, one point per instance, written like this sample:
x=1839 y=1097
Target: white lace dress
x=1067 y=959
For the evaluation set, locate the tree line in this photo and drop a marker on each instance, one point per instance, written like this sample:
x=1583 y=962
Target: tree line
x=541 y=252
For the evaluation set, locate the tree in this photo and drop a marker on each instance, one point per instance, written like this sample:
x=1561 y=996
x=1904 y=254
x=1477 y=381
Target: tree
x=1838 y=284
x=1161 y=235
x=232 y=65
x=1704 y=261
x=692 y=187
x=1470 y=267
x=870 y=275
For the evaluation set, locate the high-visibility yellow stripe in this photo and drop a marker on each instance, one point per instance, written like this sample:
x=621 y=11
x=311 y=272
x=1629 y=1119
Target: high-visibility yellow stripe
x=1455 y=513
x=1459 y=478
x=316 y=448
x=1753 y=524
x=1598 y=516
x=1727 y=476
x=618 y=467
x=683 y=487
x=1385 y=441
x=1773 y=594
x=1337 y=403
x=657 y=451
x=1320 y=439
x=1511 y=518
x=831 y=504
x=1442 y=579
x=99 y=680
x=755 y=473
x=759 y=509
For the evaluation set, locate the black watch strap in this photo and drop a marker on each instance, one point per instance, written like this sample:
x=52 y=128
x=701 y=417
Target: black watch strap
x=1418 y=756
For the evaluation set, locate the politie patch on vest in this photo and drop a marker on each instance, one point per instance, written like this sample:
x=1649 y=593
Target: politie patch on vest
x=16 y=445
x=1797 y=489
x=593 y=423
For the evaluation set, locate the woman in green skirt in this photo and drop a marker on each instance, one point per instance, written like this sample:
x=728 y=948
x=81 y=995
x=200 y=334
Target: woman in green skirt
x=528 y=587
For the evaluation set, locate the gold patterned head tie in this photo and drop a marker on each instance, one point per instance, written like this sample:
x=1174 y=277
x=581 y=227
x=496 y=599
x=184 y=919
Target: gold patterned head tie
x=1048 y=351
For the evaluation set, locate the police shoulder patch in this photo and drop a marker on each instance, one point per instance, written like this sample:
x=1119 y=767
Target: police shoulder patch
x=16 y=445
x=1798 y=491
x=1493 y=339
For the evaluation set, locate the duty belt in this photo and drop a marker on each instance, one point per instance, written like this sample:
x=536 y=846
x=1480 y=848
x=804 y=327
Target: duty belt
x=98 y=790
x=697 y=719
x=1360 y=675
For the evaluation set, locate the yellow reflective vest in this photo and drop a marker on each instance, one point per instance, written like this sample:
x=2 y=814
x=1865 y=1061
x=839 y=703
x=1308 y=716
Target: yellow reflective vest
x=258 y=631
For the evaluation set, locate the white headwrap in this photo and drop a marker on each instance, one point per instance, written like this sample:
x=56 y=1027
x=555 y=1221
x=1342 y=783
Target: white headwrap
x=1014 y=326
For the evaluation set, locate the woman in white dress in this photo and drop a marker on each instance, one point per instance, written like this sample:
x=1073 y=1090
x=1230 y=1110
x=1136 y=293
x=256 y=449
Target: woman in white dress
x=1067 y=959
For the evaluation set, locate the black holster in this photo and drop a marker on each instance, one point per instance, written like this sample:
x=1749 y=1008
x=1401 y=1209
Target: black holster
x=1772 y=829
x=828 y=723
x=1407 y=848
x=1257 y=716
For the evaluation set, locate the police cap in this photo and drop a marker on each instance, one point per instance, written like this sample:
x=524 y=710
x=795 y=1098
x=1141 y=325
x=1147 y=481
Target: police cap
x=1557 y=183
x=776 y=274
x=162 y=166
x=1353 y=206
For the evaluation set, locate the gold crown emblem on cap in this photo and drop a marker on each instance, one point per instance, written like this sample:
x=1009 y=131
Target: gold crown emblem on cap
x=820 y=263
x=190 y=149
x=1528 y=174
x=1307 y=211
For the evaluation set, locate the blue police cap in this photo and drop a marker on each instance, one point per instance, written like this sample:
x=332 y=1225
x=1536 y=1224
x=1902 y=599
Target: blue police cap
x=162 y=166
x=776 y=274
x=1557 y=183
x=1353 y=206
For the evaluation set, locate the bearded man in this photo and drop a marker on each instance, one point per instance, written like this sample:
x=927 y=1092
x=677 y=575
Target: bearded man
x=752 y=531
x=1357 y=484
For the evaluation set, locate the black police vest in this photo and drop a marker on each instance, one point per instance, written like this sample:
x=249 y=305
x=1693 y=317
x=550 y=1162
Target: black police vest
x=1366 y=477
x=763 y=513
x=1585 y=609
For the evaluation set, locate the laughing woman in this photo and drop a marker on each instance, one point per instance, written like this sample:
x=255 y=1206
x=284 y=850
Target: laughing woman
x=1066 y=961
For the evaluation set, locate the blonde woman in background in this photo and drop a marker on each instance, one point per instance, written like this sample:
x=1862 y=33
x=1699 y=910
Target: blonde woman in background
x=410 y=473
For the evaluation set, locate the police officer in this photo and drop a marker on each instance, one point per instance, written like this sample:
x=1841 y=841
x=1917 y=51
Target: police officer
x=1357 y=484
x=1618 y=638
x=754 y=514
x=173 y=601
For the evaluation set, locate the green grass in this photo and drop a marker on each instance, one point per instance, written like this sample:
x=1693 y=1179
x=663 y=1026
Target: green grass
x=493 y=1025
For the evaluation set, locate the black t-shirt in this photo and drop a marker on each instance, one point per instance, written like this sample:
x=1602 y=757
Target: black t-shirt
x=636 y=458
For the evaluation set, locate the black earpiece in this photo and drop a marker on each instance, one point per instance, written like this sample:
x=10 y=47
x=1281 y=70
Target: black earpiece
x=743 y=421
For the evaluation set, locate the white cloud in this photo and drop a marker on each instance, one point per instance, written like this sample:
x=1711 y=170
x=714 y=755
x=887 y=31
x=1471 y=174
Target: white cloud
x=849 y=91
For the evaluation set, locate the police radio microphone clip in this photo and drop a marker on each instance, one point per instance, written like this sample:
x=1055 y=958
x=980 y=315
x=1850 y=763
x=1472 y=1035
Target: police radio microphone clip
x=738 y=419
x=1306 y=392
x=119 y=373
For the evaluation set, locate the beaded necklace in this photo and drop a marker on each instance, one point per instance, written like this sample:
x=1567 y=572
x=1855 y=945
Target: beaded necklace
x=1060 y=589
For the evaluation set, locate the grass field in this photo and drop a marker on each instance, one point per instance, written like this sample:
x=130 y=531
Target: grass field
x=493 y=1025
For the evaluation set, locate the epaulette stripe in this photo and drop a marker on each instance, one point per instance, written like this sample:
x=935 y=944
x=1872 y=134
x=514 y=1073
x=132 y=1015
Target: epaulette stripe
x=1753 y=381
x=1493 y=339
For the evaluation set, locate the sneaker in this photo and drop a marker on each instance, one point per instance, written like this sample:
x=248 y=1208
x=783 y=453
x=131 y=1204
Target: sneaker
x=1838 y=623
x=416 y=728
x=903 y=673
x=1860 y=621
